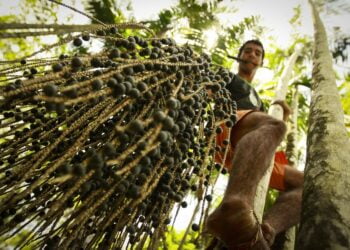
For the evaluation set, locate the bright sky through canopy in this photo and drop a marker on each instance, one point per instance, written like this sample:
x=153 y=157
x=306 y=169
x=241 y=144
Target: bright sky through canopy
x=274 y=15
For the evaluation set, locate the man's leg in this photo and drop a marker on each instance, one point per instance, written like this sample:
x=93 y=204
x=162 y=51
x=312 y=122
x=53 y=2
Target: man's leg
x=256 y=138
x=285 y=213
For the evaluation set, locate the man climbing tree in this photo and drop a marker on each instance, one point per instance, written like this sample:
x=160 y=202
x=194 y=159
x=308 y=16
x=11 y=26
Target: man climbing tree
x=254 y=139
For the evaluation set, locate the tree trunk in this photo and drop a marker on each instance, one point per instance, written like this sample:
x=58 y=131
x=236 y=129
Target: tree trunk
x=292 y=155
x=291 y=148
x=325 y=218
x=277 y=112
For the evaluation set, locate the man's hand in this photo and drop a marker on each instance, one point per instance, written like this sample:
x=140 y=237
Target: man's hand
x=286 y=109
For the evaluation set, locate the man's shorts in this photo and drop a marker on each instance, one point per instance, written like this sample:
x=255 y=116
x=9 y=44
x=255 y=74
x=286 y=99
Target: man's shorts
x=277 y=180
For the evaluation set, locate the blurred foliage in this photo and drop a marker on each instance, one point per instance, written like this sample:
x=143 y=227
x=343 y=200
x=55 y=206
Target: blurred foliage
x=40 y=11
x=17 y=47
x=174 y=237
x=12 y=242
x=188 y=20
x=344 y=90
x=106 y=11
x=341 y=49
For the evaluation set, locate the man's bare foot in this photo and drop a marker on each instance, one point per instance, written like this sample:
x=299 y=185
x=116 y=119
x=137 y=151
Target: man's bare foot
x=234 y=223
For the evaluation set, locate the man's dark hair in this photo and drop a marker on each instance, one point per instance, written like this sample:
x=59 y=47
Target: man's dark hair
x=256 y=42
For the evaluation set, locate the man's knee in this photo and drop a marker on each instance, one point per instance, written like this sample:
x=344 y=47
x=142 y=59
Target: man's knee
x=277 y=127
x=280 y=125
x=258 y=121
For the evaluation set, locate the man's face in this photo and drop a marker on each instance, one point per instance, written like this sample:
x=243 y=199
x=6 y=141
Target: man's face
x=251 y=53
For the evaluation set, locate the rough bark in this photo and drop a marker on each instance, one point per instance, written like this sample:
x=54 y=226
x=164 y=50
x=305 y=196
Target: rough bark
x=325 y=218
x=289 y=242
x=291 y=149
